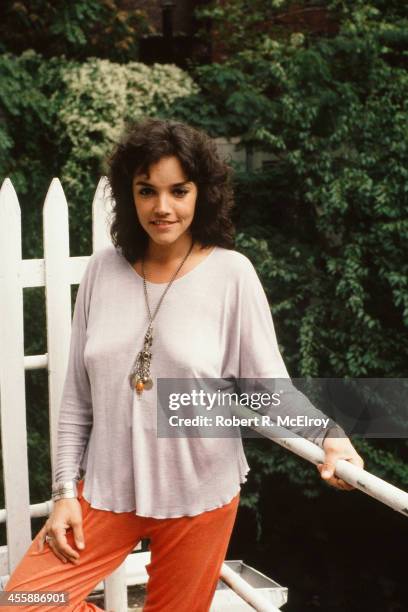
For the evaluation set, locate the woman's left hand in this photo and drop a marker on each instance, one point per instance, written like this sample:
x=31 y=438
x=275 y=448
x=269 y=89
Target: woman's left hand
x=338 y=448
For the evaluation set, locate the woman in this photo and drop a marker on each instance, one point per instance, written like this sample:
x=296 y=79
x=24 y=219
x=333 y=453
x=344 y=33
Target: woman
x=171 y=299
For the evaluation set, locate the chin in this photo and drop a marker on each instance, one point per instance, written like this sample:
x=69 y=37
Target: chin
x=164 y=239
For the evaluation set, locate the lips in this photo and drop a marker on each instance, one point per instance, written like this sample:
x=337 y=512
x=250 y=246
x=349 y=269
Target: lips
x=162 y=222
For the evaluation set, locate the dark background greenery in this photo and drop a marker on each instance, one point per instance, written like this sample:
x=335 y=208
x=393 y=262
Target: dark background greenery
x=325 y=223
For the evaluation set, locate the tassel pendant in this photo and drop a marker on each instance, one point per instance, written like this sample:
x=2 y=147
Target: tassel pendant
x=140 y=379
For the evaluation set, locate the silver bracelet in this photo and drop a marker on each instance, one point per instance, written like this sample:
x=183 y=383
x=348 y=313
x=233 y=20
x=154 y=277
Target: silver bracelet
x=64 y=490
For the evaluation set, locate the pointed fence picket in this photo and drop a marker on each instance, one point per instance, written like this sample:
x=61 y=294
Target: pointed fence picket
x=12 y=383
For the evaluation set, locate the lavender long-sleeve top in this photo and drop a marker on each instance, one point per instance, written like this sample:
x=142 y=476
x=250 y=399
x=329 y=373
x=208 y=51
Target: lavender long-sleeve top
x=214 y=322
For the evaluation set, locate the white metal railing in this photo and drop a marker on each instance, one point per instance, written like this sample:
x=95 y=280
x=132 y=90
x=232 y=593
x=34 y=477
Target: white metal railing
x=56 y=272
x=245 y=591
x=366 y=482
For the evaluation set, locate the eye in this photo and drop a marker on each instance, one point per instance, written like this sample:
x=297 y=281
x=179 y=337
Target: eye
x=181 y=192
x=143 y=190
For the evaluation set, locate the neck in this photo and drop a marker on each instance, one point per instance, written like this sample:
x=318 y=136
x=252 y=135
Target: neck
x=165 y=254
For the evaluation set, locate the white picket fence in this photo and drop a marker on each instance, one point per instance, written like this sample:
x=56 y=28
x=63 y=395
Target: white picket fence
x=57 y=271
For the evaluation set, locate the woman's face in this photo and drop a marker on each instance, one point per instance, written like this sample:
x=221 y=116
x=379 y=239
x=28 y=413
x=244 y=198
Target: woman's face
x=165 y=196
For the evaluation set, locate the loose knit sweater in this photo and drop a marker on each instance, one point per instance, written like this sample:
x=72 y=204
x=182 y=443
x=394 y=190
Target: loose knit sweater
x=214 y=322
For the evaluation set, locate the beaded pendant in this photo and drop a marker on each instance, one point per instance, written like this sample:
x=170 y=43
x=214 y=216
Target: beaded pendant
x=139 y=378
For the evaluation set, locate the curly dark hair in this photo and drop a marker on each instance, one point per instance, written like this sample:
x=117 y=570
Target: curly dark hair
x=145 y=143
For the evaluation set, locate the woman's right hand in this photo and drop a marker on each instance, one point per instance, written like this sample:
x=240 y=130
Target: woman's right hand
x=66 y=513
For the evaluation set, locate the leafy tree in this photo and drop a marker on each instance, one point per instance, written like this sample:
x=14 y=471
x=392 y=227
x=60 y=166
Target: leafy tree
x=77 y=29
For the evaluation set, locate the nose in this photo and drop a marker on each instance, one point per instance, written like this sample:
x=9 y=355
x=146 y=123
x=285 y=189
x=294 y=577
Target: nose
x=162 y=206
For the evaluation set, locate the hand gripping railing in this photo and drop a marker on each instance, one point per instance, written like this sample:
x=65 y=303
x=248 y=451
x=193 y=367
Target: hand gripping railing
x=372 y=485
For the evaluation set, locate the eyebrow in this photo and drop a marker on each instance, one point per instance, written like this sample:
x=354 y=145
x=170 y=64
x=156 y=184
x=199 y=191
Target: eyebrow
x=150 y=185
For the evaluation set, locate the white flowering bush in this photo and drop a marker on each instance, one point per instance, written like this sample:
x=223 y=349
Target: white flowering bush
x=99 y=97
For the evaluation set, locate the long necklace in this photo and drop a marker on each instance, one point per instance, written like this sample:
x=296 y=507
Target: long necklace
x=140 y=378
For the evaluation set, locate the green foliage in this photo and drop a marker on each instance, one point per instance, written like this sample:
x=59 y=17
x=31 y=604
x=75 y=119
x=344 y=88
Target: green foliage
x=76 y=29
x=392 y=466
x=325 y=222
x=332 y=114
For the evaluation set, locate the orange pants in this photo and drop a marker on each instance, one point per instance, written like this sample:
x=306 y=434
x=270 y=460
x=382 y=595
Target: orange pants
x=186 y=557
